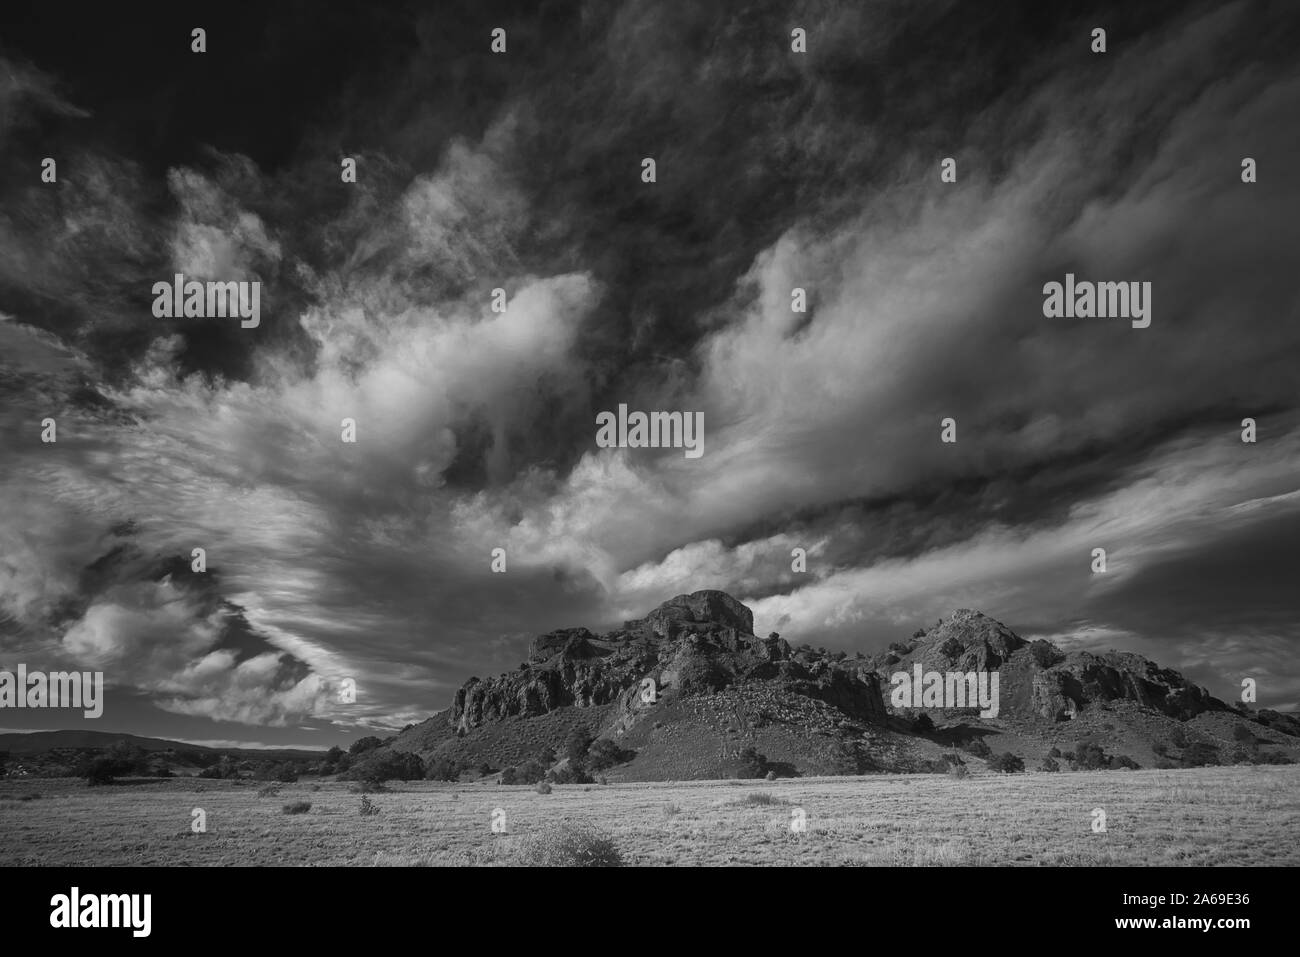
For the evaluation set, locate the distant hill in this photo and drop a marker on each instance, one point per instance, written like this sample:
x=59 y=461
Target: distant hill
x=37 y=742
x=691 y=692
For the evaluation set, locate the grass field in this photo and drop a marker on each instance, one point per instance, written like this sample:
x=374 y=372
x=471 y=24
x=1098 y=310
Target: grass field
x=1245 y=815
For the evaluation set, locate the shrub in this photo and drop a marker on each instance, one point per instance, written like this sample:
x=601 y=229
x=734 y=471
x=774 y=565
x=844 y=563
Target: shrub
x=758 y=799
x=569 y=845
x=362 y=745
x=604 y=754
x=1007 y=763
x=368 y=807
x=1054 y=753
x=1049 y=764
x=1179 y=738
x=1045 y=654
x=1199 y=755
x=104 y=769
x=752 y=764
x=297 y=807
x=1124 y=761
x=978 y=747
x=1271 y=757
x=570 y=773
x=923 y=723
x=951 y=648
x=270 y=790
x=1089 y=757
x=577 y=743
x=443 y=769
x=1243 y=734
x=958 y=771
x=286 y=774
x=543 y=787
x=530 y=772
x=387 y=765
x=701 y=676
x=771 y=775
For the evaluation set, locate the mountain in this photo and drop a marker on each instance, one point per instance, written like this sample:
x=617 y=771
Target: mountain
x=38 y=742
x=683 y=692
x=34 y=742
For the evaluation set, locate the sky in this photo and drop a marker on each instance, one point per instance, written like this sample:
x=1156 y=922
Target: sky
x=476 y=430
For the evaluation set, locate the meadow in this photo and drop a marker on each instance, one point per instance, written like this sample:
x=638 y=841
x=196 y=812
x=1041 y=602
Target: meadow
x=1244 y=815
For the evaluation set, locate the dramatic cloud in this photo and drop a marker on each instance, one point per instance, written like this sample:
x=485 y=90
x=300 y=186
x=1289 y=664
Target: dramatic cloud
x=475 y=427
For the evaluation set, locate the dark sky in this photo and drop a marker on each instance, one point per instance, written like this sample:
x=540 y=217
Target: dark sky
x=476 y=429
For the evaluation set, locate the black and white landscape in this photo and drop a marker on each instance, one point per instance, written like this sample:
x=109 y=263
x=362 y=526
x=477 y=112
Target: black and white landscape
x=650 y=433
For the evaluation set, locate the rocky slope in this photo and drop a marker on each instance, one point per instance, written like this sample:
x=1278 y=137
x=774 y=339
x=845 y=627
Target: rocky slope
x=684 y=690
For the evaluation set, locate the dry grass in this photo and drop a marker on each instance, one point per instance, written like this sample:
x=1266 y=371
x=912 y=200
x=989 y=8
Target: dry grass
x=1204 y=816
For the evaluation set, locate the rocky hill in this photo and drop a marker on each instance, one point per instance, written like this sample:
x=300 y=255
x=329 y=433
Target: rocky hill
x=690 y=691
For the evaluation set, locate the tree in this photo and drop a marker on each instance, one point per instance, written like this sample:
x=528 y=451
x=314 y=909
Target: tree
x=752 y=764
x=1007 y=763
x=443 y=769
x=362 y=745
x=577 y=743
x=605 y=754
x=333 y=754
x=388 y=765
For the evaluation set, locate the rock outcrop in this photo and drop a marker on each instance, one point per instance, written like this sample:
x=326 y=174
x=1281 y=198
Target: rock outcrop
x=692 y=644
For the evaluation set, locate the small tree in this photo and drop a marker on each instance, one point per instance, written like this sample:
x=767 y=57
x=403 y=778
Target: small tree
x=577 y=743
x=1007 y=763
x=752 y=764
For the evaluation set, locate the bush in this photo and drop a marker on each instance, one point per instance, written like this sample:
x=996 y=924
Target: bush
x=1243 y=734
x=270 y=790
x=978 y=747
x=1007 y=763
x=701 y=676
x=951 y=648
x=1054 y=753
x=577 y=743
x=1199 y=755
x=1045 y=654
x=386 y=765
x=771 y=775
x=958 y=771
x=1179 y=738
x=923 y=723
x=752 y=764
x=570 y=773
x=569 y=845
x=1049 y=764
x=604 y=754
x=362 y=745
x=1124 y=761
x=368 y=807
x=443 y=769
x=103 y=770
x=543 y=787
x=297 y=807
x=1271 y=757
x=530 y=772
x=286 y=774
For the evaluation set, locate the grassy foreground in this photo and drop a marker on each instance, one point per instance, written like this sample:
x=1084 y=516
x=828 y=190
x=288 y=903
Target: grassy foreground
x=1245 y=815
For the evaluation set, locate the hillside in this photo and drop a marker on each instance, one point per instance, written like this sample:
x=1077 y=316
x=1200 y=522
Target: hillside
x=682 y=693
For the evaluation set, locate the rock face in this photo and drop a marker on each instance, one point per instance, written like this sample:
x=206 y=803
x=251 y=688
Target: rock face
x=1038 y=679
x=692 y=644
